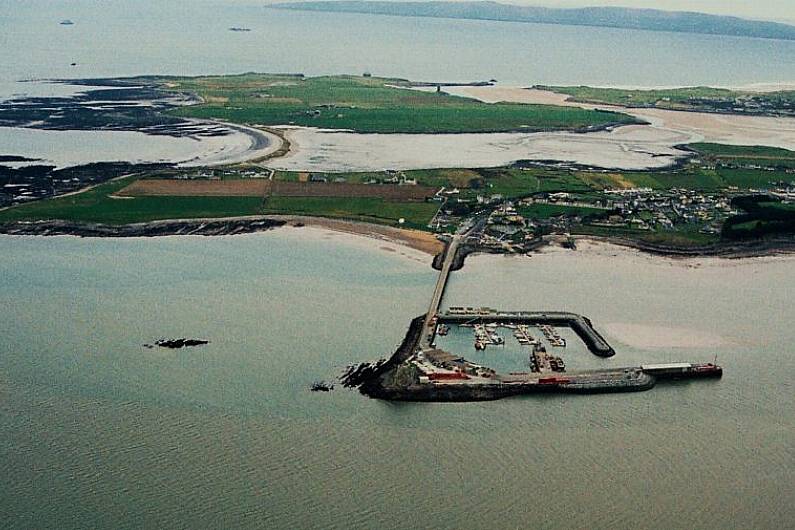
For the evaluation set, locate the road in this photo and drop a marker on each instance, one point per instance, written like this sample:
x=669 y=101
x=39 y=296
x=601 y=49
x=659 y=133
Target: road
x=438 y=292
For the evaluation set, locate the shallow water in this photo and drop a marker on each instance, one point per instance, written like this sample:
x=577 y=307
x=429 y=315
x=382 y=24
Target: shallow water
x=97 y=431
x=71 y=148
x=632 y=147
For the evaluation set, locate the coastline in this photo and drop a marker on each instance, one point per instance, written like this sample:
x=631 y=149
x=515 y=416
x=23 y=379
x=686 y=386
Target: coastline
x=699 y=126
x=423 y=242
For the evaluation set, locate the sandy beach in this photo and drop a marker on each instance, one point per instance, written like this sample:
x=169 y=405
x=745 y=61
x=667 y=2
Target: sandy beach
x=698 y=126
x=664 y=334
x=389 y=238
x=243 y=145
x=623 y=148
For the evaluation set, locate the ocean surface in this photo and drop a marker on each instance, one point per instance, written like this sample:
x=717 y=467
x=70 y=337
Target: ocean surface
x=116 y=37
x=98 y=431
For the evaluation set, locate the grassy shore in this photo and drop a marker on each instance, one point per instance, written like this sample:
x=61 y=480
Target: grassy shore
x=369 y=105
x=703 y=99
x=745 y=154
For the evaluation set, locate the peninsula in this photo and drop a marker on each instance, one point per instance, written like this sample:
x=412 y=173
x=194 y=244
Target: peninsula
x=609 y=17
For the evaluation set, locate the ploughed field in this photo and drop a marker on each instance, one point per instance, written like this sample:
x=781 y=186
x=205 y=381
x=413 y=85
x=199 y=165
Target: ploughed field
x=369 y=105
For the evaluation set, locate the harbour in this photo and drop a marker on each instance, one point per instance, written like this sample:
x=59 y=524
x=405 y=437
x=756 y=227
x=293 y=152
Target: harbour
x=421 y=371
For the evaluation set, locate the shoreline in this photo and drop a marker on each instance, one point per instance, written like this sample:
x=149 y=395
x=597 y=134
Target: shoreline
x=424 y=242
x=733 y=129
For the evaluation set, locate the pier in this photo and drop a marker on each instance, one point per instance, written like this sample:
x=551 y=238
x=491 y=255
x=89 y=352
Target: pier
x=438 y=292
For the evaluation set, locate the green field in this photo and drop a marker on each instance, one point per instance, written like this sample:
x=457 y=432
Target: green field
x=690 y=98
x=368 y=104
x=416 y=214
x=693 y=178
x=746 y=155
x=97 y=206
x=508 y=182
x=543 y=211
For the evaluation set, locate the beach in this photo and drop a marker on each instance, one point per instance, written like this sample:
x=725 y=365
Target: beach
x=697 y=126
x=419 y=245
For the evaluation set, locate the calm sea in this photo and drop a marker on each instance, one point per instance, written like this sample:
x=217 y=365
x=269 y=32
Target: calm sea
x=97 y=431
x=115 y=37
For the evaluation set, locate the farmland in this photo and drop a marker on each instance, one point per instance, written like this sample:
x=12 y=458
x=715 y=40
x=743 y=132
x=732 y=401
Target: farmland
x=368 y=105
x=701 y=99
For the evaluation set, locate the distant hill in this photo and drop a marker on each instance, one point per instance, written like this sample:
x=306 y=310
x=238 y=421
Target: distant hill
x=612 y=17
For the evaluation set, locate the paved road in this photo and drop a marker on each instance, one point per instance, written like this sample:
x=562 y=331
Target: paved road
x=438 y=292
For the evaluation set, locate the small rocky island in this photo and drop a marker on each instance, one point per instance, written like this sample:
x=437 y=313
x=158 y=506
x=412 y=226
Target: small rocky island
x=176 y=344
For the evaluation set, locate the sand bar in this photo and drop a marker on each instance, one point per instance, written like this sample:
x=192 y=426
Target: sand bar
x=699 y=126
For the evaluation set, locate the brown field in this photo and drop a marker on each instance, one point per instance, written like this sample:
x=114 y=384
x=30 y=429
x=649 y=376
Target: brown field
x=262 y=188
x=333 y=189
x=606 y=180
x=197 y=188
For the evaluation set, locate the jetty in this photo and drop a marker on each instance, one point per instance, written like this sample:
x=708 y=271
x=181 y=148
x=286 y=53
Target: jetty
x=431 y=317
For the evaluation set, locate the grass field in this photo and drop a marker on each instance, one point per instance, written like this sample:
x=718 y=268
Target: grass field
x=746 y=154
x=367 y=104
x=415 y=214
x=693 y=178
x=102 y=205
x=543 y=211
x=692 y=98
x=98 y=206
